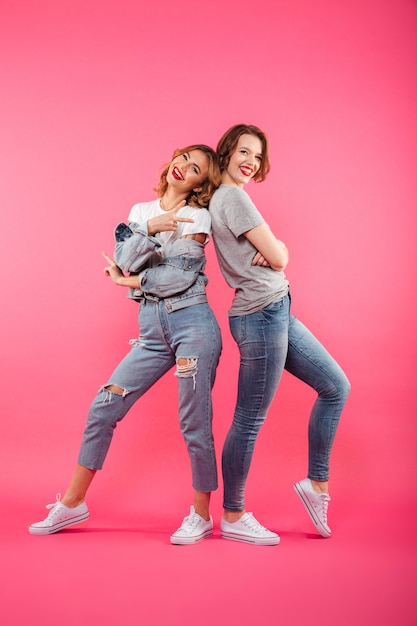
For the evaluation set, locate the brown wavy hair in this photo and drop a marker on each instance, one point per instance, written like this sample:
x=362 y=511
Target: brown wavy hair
x=228 y=143
x=198 y=199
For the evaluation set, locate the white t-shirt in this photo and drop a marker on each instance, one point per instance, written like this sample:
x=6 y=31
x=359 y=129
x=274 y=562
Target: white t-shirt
x=144 y=211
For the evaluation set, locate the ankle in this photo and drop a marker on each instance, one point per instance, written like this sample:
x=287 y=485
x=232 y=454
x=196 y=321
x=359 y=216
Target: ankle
x=320 y=486
x=233 y=516
x=204 y=513
x=202 y=504
x=71 y=503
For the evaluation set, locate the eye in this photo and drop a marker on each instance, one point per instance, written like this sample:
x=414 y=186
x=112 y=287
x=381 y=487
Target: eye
x=259 y=158
x=244 y=151
x=185 y=156
x=195 y=170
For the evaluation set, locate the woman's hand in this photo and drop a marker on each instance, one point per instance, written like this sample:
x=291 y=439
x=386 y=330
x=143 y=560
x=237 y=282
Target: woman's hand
x=273 y=250
x=112 y=270
x=117 y=276
x=258 y=259
x=168 y=220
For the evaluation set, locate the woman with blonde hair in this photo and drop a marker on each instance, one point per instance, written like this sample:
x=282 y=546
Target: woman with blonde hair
x=162 y=250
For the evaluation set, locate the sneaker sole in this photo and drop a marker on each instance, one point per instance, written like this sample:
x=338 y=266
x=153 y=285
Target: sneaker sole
x=317 y=523
x=187 y=541
x=259 y=541
x=50 y=530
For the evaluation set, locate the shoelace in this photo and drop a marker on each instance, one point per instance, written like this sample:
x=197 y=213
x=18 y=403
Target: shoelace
x=323 y=504
x=54 y=508
x=253 y=525
x=190 y=522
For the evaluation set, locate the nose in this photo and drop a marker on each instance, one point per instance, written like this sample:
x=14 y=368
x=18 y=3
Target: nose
x=180 y=167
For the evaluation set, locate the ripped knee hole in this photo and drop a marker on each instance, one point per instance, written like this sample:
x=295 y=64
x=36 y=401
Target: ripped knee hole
x=186 y=366
x=116 y=390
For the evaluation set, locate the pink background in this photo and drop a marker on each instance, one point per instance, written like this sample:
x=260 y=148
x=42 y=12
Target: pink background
x=95 y=96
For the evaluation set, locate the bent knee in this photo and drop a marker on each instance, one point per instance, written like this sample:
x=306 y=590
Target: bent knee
x=346 y=387
x=187 y=367
x=116 y=390
x=341 y=388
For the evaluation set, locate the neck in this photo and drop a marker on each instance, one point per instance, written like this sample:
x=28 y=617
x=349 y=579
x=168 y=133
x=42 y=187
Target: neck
x=226 y=180
x=170 y=199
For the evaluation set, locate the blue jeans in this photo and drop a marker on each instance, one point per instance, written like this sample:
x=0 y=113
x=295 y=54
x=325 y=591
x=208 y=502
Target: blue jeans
x=269 y=341
x=189 y=335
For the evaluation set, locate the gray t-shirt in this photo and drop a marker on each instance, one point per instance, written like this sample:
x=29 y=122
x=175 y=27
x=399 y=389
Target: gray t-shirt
x=232 y=214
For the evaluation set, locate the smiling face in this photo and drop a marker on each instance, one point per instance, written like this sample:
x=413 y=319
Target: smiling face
x=187 y=171
x=244 y=162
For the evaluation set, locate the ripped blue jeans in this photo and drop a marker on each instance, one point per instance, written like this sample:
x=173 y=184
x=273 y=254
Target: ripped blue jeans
x=188 y=338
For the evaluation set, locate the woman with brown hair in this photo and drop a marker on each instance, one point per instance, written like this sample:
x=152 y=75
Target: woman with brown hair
x=269 y=338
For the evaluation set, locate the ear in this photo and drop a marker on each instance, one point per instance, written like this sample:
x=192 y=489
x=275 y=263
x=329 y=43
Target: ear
x=197 y=189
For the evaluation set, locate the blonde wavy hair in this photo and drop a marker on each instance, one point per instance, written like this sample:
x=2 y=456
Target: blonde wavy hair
x=199 y=199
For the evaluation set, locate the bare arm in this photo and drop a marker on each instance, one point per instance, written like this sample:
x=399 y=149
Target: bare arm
x=114 y=272
x=200 y=237
x=270 y=249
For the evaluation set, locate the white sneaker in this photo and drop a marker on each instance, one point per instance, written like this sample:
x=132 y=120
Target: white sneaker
x=193 y=528
x=316 y=505
x=249 y=530
x=60 y=516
